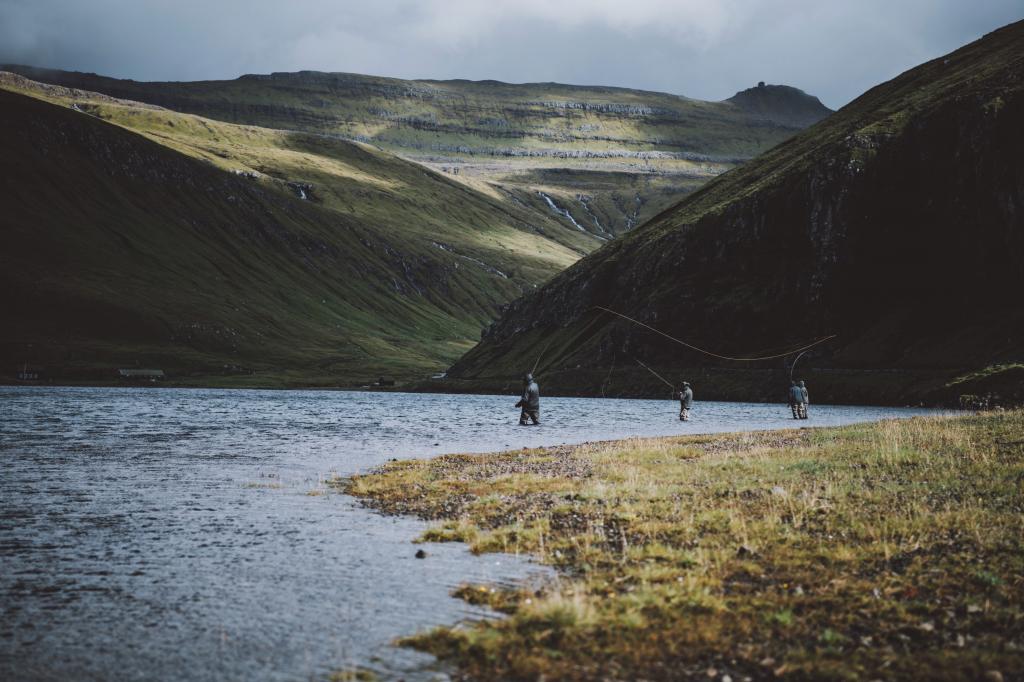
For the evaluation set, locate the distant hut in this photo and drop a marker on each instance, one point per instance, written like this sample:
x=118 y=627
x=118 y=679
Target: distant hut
x=141 y=374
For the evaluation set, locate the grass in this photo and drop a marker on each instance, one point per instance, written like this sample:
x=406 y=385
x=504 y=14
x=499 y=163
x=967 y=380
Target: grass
x=354 y=674
x=263 y=486
x=878 y=551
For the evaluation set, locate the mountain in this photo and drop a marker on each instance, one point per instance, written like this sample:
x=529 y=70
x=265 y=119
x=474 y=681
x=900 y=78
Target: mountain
x=896 y=224
x=598 y=159
x=781 y=104
x=135 y=236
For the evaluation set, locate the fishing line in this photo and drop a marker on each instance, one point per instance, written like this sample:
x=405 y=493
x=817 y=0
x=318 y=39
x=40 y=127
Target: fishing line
x=545 y=350
x=608 y=377
x=707 y=352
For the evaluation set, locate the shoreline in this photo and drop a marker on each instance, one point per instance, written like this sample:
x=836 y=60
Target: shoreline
x=994 y=385
x=883 y=549
x=433 y=389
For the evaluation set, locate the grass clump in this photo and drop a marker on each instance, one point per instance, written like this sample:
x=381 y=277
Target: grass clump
x=890 y=550
x=354 y=674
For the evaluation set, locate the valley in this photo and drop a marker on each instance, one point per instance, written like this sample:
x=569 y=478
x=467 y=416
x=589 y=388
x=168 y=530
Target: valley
x=427 y=239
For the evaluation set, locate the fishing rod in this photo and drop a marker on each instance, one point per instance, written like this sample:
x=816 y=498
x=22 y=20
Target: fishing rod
x=552 y=339
x=545 y=350
x=793 y=366
x=670 y=385
x=716 y=355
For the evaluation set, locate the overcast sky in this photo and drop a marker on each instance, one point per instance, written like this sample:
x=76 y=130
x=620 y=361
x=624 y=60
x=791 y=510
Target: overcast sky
x=707 y=49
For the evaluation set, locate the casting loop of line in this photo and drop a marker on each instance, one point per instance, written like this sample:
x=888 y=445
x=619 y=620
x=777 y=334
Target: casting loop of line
x=716 y=355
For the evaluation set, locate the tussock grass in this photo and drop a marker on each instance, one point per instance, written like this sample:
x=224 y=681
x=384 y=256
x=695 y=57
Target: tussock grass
x=260 y=485
x=889 y=550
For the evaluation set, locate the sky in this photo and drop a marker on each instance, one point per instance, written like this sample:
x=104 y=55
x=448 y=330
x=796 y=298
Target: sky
x=707 y=49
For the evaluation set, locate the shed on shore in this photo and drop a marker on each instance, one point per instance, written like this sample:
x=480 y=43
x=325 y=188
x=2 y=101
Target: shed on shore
x=141 y=374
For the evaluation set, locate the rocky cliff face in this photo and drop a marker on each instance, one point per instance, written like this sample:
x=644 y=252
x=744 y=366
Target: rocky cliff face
x=896 y=223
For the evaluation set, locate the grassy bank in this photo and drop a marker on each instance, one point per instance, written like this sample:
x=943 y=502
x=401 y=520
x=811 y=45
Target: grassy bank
x=881 y=551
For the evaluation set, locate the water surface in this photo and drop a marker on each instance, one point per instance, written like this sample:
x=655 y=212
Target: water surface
x=187 y=534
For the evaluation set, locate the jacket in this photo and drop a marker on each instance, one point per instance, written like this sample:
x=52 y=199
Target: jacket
x=531 y=397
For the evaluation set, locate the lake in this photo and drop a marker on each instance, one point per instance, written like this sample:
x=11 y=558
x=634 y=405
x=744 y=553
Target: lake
x=188 y=534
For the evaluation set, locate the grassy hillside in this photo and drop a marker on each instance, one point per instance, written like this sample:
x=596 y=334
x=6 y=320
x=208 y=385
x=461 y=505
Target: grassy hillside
x=896 y=223
x=193 y=251
x=641 y=151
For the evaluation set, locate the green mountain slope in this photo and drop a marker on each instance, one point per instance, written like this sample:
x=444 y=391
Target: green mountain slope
x=599 y=159
x=896 y=223
x=117 y=251
x=357 y=179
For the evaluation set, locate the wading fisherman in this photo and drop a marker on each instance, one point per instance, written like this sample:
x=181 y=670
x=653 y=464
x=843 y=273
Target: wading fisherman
x=804 y=400
x=530 y=402
x=795 y=398
x=685 y=401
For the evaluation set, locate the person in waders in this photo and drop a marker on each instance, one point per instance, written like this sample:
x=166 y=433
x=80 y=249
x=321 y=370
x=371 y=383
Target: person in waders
x=795 y=397
x=530 y=402
x=685 y=401
x=804 y=400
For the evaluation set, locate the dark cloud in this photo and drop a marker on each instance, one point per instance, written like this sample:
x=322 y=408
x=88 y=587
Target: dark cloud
x=699 y=48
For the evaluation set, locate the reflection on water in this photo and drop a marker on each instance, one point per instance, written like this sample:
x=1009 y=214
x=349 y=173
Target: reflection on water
x=187 y=534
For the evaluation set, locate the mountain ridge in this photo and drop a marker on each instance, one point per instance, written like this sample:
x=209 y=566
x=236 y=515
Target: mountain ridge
x=43 y=71
x=608 y=158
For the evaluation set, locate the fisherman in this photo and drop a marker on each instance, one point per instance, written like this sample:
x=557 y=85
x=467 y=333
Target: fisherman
x=804 y=400
x=795 y=398
x=530 y=402
x=685 y=401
